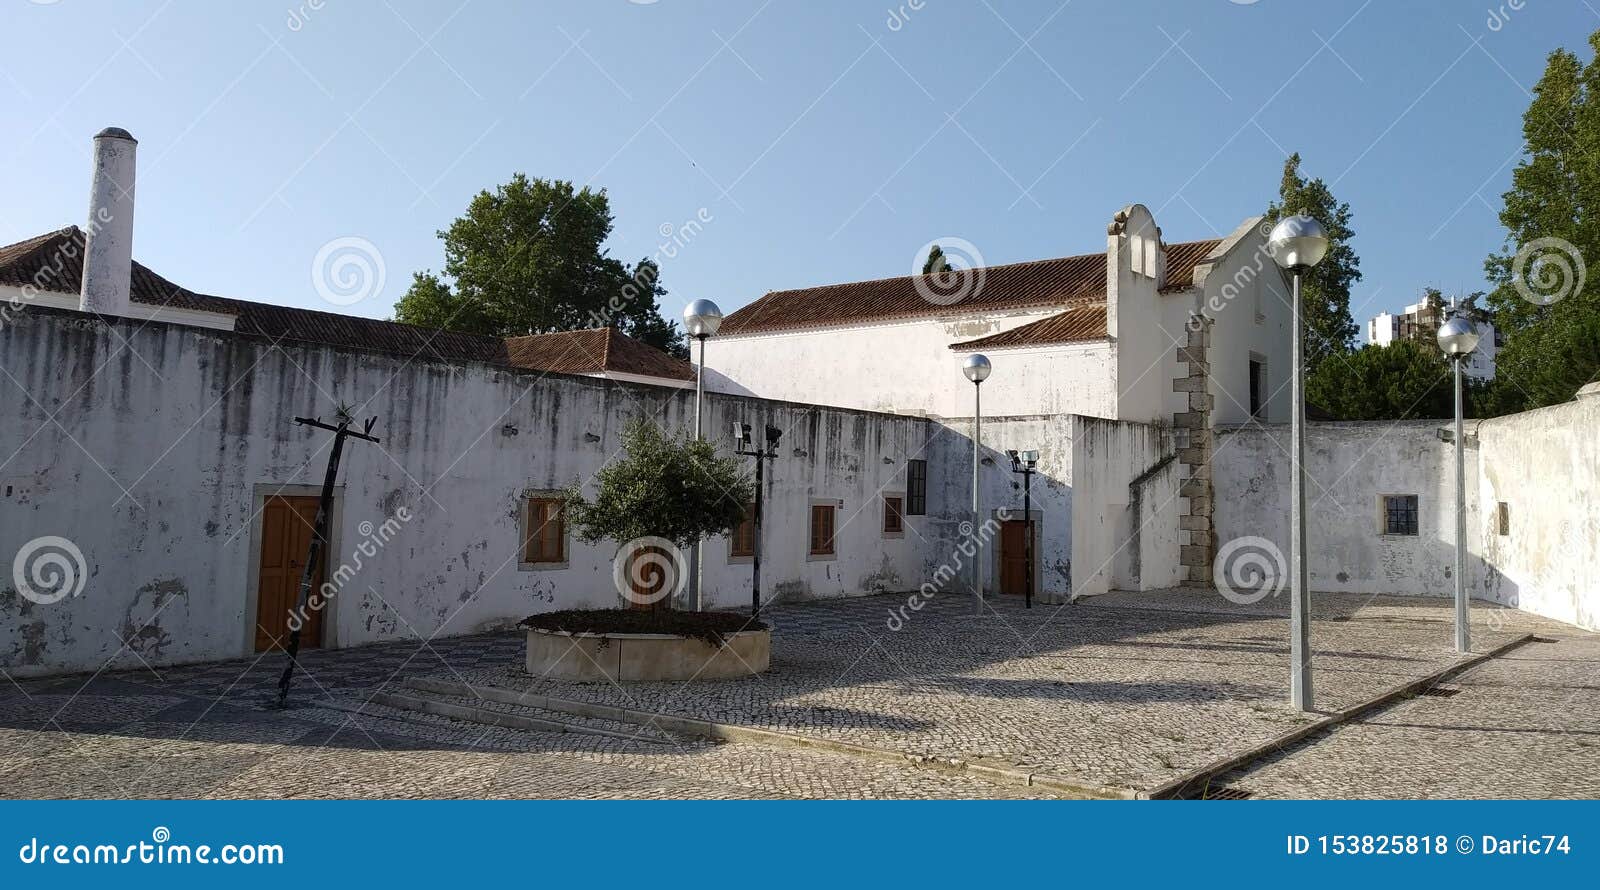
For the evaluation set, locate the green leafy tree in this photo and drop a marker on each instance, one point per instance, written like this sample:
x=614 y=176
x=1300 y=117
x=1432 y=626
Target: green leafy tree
x=529 y=258
x=1325 y=291
x=662 y=486
x=1404 y=380
x=1552 y=216
x=935 y=261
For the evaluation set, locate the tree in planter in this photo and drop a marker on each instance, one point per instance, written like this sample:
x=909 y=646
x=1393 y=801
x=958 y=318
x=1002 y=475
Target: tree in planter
x=667 y=487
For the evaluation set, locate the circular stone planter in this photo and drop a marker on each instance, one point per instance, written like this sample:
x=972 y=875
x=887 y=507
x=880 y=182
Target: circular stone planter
x=645 y=658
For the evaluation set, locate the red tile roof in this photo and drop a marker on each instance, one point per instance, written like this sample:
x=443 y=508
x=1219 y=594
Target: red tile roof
x=1077 y=324
x=1057 y=282
x=54 y=262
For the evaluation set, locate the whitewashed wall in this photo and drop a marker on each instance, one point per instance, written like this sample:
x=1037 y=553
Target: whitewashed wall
x=1545 y=466
x=1350 y=466
x=196 y=425
x=909 y=368
x=1125 y=483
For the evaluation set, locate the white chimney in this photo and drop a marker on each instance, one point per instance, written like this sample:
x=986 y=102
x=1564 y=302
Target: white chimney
x=108 y=248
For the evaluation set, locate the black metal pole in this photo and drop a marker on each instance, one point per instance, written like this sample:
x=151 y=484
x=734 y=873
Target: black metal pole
x=1027 y=533
x=755 y=542
x=319 y=537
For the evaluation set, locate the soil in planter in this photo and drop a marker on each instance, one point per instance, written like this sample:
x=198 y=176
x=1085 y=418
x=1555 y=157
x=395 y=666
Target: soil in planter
x=711 y=627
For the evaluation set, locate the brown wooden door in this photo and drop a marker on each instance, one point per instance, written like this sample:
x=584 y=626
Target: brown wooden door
x=650 y=571
x=1013 y=557
x=287 y=524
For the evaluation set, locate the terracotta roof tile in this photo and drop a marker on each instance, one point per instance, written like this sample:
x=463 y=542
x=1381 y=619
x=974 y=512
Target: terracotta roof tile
x=1055 y=282
x=1076 y=325
x=54 y=262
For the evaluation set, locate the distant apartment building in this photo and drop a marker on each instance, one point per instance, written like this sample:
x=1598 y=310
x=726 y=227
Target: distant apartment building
x=1420 y=321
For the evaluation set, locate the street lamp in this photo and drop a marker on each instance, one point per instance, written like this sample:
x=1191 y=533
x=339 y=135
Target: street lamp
x=742 y=444
x=1458 y=338
x=701 y=319
x=976 y=367
x=1297 y=243
x=1024 y=462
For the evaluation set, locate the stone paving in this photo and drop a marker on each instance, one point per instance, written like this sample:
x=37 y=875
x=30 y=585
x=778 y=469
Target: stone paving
x=1125 y=689
x=1526 y=725
x=1128 y=691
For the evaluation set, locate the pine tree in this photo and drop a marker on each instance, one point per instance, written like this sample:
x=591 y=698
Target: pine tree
x=1325 y=291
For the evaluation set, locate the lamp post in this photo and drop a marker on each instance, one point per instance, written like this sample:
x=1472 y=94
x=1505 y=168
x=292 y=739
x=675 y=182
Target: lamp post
x=1458 y=338
x=743 y=445
x=1024 y=462
x=1297 y=243
x=976 y=368
x=701 y=319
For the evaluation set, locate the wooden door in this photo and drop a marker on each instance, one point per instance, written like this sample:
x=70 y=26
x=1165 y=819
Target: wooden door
x=1013 y=557
x=287 y=525
x=651 y=574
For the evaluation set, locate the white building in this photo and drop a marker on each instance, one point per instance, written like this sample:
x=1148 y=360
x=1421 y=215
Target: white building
x=151 y=429
x=1420 y=322
x=1096 y=334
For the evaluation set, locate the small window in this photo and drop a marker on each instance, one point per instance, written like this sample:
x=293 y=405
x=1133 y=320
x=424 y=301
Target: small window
x=1502 y=518
x=894 y=516
x=916 y=488
x=743 y=542
x=1258 y=389
x=1400 y=514
x=544 y=531
x=822 y=516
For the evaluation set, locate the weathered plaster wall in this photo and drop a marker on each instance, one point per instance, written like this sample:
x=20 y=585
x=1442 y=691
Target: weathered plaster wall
x=149 y=444
x=1128 y=539
x=1350 y=466
x=1545 y=466
x=909 y=368
x=1002 y=495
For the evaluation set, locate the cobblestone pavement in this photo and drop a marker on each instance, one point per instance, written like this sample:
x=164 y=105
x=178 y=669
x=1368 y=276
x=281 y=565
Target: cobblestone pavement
x=1526 y=725
x=1128 y=691
x=1119 y=690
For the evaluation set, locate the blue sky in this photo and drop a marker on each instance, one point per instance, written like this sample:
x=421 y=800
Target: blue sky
x=822 y=141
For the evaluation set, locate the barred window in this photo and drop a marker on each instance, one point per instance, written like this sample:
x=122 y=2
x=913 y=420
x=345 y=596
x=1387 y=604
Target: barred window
x=1400 y=514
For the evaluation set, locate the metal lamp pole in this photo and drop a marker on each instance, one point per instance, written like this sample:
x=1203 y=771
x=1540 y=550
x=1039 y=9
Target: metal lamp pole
x=1024 y=462
x=1297 y=243
x=977 y=369
x=701 y=319
x=741 y=438
x=1458 y=338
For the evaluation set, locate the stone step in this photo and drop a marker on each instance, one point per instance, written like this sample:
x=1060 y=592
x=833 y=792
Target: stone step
x=421 y=699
